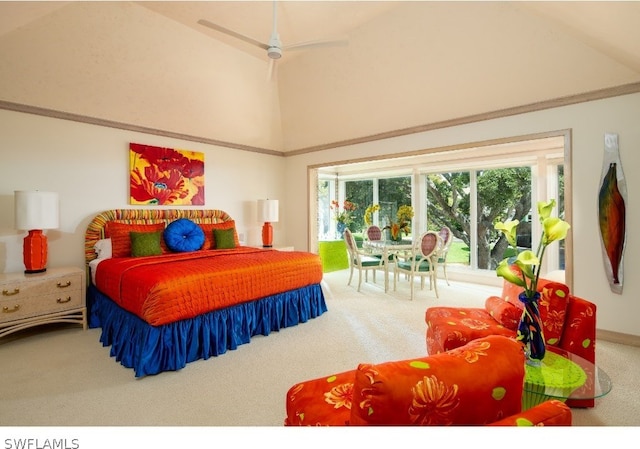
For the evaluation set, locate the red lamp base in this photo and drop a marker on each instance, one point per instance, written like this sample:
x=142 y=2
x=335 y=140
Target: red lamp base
x=267 y=235
x=34 y=252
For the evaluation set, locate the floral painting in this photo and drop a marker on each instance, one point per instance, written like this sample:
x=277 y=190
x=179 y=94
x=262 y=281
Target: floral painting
x=165 y=176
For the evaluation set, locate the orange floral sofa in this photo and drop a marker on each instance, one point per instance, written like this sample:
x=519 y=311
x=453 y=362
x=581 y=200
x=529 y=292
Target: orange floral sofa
x=569 y=322
x=477 y=384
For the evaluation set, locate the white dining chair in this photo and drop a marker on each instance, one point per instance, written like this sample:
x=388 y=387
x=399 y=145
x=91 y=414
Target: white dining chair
x=422 y=263
x=446 y=237
x=361 y=260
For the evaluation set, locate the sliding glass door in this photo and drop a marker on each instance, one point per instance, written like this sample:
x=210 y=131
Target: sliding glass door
x=468 y=194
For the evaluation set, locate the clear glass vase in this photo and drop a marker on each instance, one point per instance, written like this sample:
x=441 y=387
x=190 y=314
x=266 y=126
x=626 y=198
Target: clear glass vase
x=340 y=227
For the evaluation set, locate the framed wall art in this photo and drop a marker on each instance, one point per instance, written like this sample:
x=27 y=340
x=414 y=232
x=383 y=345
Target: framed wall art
x=165 y=176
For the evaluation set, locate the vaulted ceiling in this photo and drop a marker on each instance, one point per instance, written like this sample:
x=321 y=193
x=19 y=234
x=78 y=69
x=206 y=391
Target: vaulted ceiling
x=153 y=67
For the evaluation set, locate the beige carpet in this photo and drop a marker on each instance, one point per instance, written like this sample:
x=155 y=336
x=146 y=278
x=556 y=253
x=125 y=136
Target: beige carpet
x=62 y=376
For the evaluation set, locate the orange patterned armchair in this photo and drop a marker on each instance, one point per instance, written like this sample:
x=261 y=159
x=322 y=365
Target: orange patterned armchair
x=569 y=322
x=477 y=384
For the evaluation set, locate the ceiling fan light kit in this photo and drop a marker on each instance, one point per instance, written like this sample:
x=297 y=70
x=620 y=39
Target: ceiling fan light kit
x=274 y=52
x=274 y=46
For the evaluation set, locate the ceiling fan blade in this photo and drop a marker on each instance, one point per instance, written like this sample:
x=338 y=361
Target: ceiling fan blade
x=343 y=42
x=242 y=37
x=271 y=73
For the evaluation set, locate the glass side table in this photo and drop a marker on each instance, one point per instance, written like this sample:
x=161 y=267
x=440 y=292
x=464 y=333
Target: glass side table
x=563 y=375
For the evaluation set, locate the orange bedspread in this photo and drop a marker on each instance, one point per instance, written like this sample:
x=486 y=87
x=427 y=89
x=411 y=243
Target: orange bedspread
x=177 y=286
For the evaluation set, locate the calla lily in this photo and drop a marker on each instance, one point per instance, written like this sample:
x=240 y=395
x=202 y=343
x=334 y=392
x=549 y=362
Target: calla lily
x=554 y=229
x=544 y=209
x=505 y=271
x=529 y=262
x=528 y=257
x=526 y=260
x=509 y=229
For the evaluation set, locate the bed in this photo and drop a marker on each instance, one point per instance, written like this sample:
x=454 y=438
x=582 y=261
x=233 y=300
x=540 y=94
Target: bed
x=171 y=286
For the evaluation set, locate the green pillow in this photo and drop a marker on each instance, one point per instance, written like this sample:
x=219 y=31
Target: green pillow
x=224 y=238
x=145 y=243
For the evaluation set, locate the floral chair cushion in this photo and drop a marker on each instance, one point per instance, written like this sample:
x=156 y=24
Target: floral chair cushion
x=479 y=383
x=320 y=402
x=554 y=297
x=504 y=312
x=549 y=413
x=451 y=327
x=476 y=384
x=570 y=322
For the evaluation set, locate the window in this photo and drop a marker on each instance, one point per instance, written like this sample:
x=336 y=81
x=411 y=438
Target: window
x=361 y=194
x=448 y=204
x=467 y=190
x=324 y=209
x=393 y=193
x=389 y=193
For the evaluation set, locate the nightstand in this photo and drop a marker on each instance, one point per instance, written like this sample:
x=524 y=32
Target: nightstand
x=55 y=296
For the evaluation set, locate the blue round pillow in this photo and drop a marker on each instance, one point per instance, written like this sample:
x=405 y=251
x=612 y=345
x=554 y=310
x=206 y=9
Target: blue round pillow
x=183 y=235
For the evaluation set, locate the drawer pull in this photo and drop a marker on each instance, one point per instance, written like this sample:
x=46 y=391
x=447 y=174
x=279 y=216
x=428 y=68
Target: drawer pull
x=61 y=285
x=8 y=293
x=6 y=309
x=63 y=301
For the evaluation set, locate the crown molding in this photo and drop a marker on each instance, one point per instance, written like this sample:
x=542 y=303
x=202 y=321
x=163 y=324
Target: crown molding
x=27 y=109
x=532 y=107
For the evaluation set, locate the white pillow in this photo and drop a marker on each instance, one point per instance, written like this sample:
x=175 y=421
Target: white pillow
x=103 y=248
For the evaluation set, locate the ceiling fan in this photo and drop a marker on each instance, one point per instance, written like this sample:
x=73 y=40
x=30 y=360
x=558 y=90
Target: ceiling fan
x=274 y=46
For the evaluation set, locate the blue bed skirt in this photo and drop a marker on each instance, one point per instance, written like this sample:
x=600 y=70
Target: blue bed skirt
x=153 y=349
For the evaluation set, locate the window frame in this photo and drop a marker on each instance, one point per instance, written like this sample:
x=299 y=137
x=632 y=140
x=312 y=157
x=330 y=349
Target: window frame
x=543 y=151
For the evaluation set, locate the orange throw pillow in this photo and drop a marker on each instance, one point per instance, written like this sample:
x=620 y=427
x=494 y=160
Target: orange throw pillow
x=119 y=233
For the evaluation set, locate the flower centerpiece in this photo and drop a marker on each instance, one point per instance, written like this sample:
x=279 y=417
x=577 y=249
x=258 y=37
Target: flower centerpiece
x=404 y=216
x=524 y=272
x=368 y=213
x=343 y=217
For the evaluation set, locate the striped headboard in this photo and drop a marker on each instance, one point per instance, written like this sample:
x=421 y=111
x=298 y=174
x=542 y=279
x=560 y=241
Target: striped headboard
x=96 y=228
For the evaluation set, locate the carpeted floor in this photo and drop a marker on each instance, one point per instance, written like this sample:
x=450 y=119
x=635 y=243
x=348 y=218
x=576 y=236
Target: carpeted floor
x=62 y=376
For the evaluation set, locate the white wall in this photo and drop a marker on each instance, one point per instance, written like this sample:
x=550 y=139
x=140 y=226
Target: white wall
x=588 y=123
x=89 y=167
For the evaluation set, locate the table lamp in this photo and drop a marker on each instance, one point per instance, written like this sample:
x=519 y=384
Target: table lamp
x=35 y=211
x=268 y=213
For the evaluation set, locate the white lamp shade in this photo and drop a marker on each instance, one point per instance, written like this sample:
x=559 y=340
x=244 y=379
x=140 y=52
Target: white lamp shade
x=36 y=210
x=268 y=210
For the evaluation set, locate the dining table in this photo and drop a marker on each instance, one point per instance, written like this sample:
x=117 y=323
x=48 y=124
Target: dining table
x=389 y=251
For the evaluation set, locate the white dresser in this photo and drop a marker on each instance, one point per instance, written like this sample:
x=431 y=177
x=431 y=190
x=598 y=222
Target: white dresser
x=55 y=296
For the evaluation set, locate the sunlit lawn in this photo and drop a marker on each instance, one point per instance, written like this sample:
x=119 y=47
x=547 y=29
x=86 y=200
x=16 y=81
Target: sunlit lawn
x=458 y=253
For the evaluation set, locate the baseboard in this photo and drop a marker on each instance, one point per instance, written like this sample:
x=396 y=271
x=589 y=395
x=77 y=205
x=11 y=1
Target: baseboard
x=483 y=277
x=618 y=337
